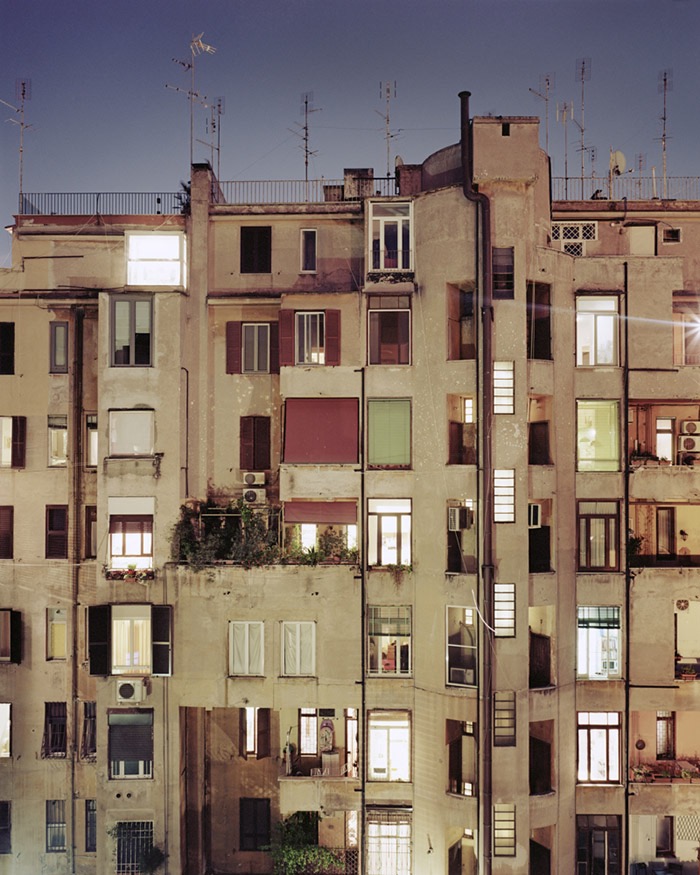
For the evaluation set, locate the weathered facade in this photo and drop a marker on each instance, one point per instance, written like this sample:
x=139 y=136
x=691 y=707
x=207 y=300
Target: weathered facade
x=370 y=500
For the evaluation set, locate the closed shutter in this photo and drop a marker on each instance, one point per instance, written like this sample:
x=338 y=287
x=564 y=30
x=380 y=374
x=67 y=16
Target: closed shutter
x=19 y=441
x=233 y=347
x=57 y=532
x=274 y=348
x=261 y=441
x=161 y=637
x=332 y=337
x=286 y=337
x=132 y=740
x=242 y=733
x=99 y=639
x=7 y=513
x=263 y=733
x=247 y=439
x=7 y=347
x=15 y=637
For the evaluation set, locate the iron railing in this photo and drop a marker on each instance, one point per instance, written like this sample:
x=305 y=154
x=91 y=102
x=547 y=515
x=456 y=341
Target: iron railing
x=300 y=191
x=105 y=203
x=632 y=188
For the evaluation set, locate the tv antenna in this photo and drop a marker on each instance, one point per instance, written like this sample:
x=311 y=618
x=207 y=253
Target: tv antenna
x=640 y=162
x=385 y=90
x=306 y=108
x=546 y=85
x=565 y=111
x=583 y=73
x=213 y=129
x=23 y=93
x=665 y=85
x=197 y=47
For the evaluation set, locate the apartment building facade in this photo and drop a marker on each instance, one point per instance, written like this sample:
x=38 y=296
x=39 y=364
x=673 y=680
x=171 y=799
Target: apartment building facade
x=348 y=513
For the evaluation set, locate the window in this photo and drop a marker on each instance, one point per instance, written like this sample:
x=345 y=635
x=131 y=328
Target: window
x=254 y=732
x=58 y=348
x=5 y=730
x=598 y=844
x=91 y=440
x=389 y=841
x=389 y=640
x=598 y=535
x=686 y=329
x=330 y=527
x=389 y=433
x=598 y=642
x=56 y=633
x=504 y=718
x=598 y=747
x=309 y=337
x=664 y=438
x=130 y=639
x=504 y=495
x=504 y=829
x=7 y=514
x=134 y=841
x=538 y=443
x=7 y=348
x=253 y=348
x=155 y=259
x=572 y=236
x=504 y=610
x=254 y=824
x=58 y=440
x=503 y=387
x=389 y=531
x=461 y=771
x=596 y=331
x=131 y=541
x=390 y=241
x=321 y=430
x=666 y=534
x=308 y=250
x=642 y=239
x=10 y=635
x=598 y=442
x=502 y=260
x=665 y=735
x=246 y=647
x=298 y=648
x=90 y=534
x=256 y=249
x=461 y=431
x=13 y=441
x=55 y=826
x=389 y=751
x=461 y=646
x=539 y=333
x=130 y=744
x=57 y=531
x=5 y=827
x=132 y=319
x=55 y=739
x=131 y=432
x=665 y=835
x=308 y=732
x=255 y=443
x=461 y=329
x=90 y=825
x=671 y=235
x=88 y=741
x=389 y=324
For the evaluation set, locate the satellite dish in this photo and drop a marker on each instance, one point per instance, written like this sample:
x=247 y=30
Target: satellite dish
x=618 y=163
x=398 y=161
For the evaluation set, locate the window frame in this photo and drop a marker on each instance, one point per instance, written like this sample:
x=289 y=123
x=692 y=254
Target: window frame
x=7 y=531
x=595 y=462
x=504 y=829
x=125 y=420
x=5 y=730
x=56 y=539
x=595 y=316
x=133 y=348
x=504 y=718
x=592 y=647
x=249 y=337
x=393 y=618
x=503 y=272
x=131 y=527
x=255 y=443
x=57 y=435
x=133 y=838
x=55 y=619
x=589 y=727
x=92 y=437
x=395 y=351
x=397 y=417
x=56 y=826
x=250 y=669
x=121 y=769
x=151 y=279
x=256 y=811
x=54 y=744
x=504 y=610
x=88 y=737
x=504 y=495
x=310 y=324
x=255 y=249
x=10 y=636
x=5 y=826
x=308 y=250
x=308 y=732
x=389 y=840
x=395 y=725
x=400 y=510
x=587 y=539
x=90 y=826
x=461 y=658
x=13 y=441
x=380 y=257
x=58 y=347
x=90 y=532
x=301 y=627
x=101 y=641
x=504 y=388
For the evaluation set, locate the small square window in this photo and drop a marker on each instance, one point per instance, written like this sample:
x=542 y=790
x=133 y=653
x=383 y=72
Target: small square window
x=671 y=235
x=155 y=259
x=131 y=432
x=58 y=347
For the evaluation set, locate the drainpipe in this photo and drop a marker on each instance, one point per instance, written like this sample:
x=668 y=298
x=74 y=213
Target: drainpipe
x=629 y=576
x=362 y=716
x=485 y=300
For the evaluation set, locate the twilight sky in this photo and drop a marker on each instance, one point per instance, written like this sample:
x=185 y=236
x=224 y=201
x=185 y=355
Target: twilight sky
x=102 y=118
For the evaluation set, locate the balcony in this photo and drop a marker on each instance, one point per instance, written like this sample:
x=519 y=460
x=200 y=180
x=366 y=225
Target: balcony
x=631 y=188
x=666 y=772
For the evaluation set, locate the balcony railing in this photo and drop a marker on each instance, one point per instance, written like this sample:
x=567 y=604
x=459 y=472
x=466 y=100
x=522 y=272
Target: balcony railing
x=299 y=191
x=632 y=188
x=106 y=203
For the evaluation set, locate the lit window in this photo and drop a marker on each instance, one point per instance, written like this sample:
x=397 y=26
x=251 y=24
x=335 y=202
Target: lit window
x=130 y=744
x=596 y=331
x=504 y=718
x=58 y=348
x=299 y=648
x=389 y=531
x=461 y=430
x=504 y=829
x=132 y=331
x=389 y=640
x=308 y=732
x=598 y=645
x=504 y=610
x=665 y=735
x=255 y=341
x=461 y=646
x=130 y=639
x=54 y=743
x=598 y=442
x=91 y=440
x=598 y=536
x=503 y=387
x=503 y=272
x=131 y=432
x=254 y=732
x=310 y=338
x=131 y=541
x=389 y=433
x=390 y=241
x=389 y=752
x=5 y=729
x=461 y=775
x=504 y=495
x=389 y=841
x=389 y=325
x=155 y=259
x=686 y=329
x=664 y=438
x=246 y=647
x=56 y=633
x=572 y=236
x=55 y=826
x=13 y=441
x=308 y=250
x=598 y=747
x=134 y=842
x=58 y=440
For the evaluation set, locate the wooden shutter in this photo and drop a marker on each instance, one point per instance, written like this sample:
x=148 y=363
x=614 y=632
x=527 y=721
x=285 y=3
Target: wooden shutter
x=247 y=440
x=7 y=513
x=455 y=444
x=100 y=639
x=286 y=337
x=15 y=637
x=242 y=733
x=57 y=531
x=263 y=733
x=332 y=330
x=261 y=443
x=19 y=441
x=161 y=638
x=234 y=333
x=274 y=348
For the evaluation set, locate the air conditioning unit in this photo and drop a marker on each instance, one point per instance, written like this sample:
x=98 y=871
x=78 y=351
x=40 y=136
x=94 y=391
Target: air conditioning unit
x=688 y=443
x=459 y=518
x=690 y=426
x=255 y=495
x=253 y=478
x=464 y=676
x=133 y=690
x=534 y=516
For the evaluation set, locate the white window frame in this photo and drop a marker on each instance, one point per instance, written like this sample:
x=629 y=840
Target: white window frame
x=131 y=433
x=122 y=554
x=586 y=434
x=310 y=326
x=503 y=387
x=6 y=431
x=601 y=732
x=92 y=437
x=504 y=718
x=304 y=234
x=132 y=313
x=155 y=259
x=598 y=646
x=250 y=340
x=504 y=495
x=57 y=433
x=293 y=631
x=380 y=512
x=132 y=639
x=591 y=321
x=384 y=214
x=251 y=667
x=389 y=731
x=572 y=236
x=398 y=620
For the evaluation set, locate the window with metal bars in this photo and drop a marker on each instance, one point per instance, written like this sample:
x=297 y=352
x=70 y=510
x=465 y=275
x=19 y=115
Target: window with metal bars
x=54 y=744
x=90 y=825
x=389 y=841
x=88 y=742
x=665 y=735
x=504 y=610
x=504 y=718
x=504 y=829
x=56 y=826
x=503 y=273
x=134 y=843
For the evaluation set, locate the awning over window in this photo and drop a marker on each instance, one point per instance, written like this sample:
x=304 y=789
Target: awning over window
x=338 y=512
x=321 y=430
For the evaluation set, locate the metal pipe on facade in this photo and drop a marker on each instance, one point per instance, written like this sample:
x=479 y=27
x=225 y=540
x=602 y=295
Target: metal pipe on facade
x=484 y=298
x=628 y=571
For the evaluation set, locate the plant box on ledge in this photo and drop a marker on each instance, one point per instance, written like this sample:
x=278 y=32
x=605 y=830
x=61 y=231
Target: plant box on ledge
x=138 y=574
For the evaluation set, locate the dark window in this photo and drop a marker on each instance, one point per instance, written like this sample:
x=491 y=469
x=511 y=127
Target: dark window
x=459 y=737
x=58 y=352
x=134 y=843
x=252 y=348
x=321 y=430
x=598 y=535
x=461 y=340
x=7 y=514
x=505 y=129
x=461 y=540
x=13 y=441
x=540 y=766
x=389 y=321
x=90 y=534
x=539 y=555
x=309 y=338
x=130 y=744
x=671 y=235
x=100 y=641
x=90 y=825
x=132 y=331
x=502 y=262
x=540 y=661
x=10 y=636
x=308 y=250
x=5 y=827
x=55 y=825
x=539 y=335
x=256 y=249
x=538 y=443
x=7 y=347
x=88 y=741
x=255 y=443
x=54 y=744
x=255 y=824
x=598 y=844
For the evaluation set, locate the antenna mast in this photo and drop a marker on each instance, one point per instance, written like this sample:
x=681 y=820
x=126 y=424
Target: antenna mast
x=196 y=48
x=385 y=89
x=583 y=69
x=564 y=110
x=665 y=85
x=546 y=85
x=23 y=92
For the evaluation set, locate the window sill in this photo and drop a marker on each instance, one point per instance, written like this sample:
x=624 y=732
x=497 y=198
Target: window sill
x=138 y=574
